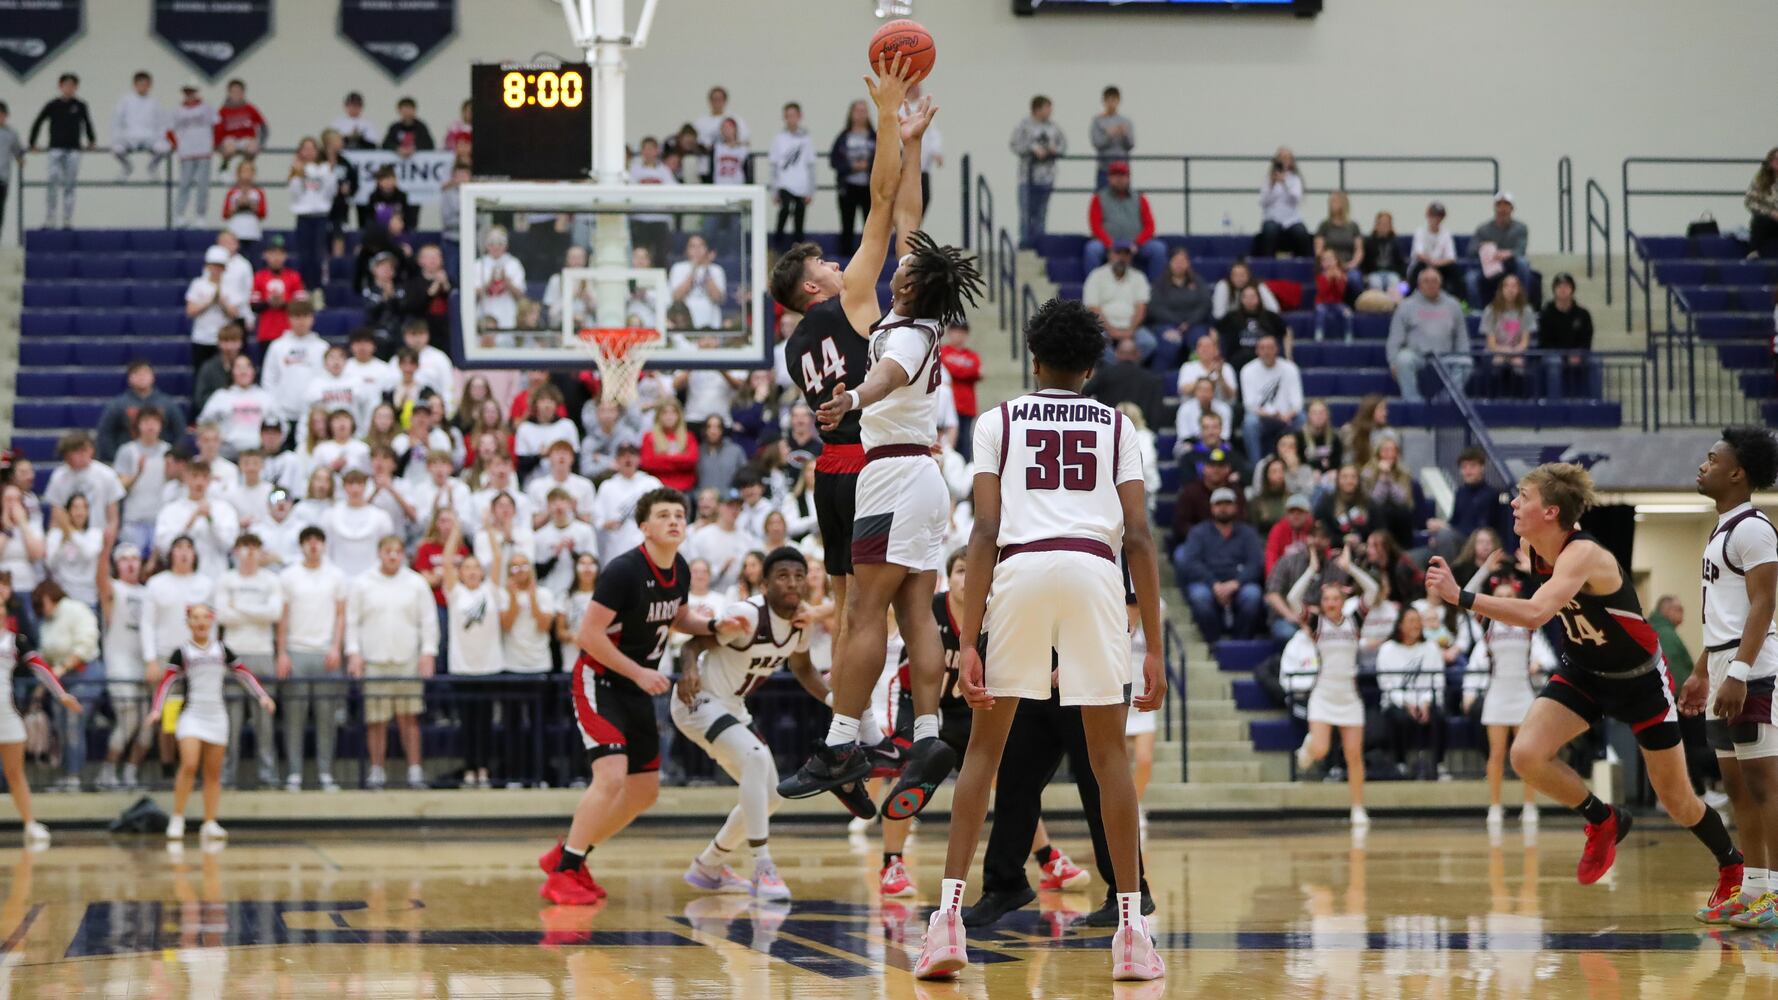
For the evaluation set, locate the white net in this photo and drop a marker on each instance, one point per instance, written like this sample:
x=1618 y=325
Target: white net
x=620 y=353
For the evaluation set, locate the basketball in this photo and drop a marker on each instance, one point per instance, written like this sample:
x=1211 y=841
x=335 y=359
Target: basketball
x=907 y=38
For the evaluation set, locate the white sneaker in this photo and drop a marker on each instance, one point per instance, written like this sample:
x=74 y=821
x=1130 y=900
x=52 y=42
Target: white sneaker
x=176 y=828
x=36 y=834
x=328 y=784
x=294 y=783
x=1528 y=816
x=416 y=776
x=107 y=779
x=766 y=882
x=376 y=779
x=857 y=827
x=1715 y=799
x=1360 y=817
x=1496 y=816
x=212 y=830
x=1303 y=760
x=129 y=776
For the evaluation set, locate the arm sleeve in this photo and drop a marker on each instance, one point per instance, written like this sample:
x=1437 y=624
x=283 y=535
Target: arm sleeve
x=175 y=667
x=1096 y=222
x=243 y=676
x=1147 y=232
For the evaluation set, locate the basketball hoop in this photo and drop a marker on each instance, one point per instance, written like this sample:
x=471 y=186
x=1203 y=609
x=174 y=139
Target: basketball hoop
x=620 y=352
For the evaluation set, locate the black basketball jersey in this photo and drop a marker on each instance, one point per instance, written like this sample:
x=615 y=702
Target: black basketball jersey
x=1604 y=633
x=822 y=352
x=645 y=600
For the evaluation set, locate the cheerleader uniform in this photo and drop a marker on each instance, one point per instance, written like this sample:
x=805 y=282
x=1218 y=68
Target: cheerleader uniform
x=16 y=650
x=203 y=669
x=1334 y=698
x=1501 y=665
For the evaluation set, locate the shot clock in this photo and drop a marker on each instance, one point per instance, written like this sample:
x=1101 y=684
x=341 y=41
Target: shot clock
x=533 y=121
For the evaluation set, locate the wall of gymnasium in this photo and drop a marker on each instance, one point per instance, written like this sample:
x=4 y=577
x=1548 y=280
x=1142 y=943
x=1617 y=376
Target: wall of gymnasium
x=1522 y=80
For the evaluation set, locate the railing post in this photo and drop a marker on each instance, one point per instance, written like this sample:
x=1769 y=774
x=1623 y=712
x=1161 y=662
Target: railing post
x=1006 y=277
x=965 y=201
x=1185 y=187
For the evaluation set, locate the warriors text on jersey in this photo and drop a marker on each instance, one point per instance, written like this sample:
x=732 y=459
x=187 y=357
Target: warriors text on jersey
x=1060 y=458
x=908 y=414
x=1603 y=633
x=1743 y=538
x=824 y=351
x=645 y=600
x=731 y=673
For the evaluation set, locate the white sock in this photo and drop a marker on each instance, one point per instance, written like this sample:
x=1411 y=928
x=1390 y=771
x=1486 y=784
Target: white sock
x=925 y=727
x=713 y=856
x=870 y=731
x=950 y=894
x=762 y=852
x=1129 y=909
x=1753 y=884
x=842 y=730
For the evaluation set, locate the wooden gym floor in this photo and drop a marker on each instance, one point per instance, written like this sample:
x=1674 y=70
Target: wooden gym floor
x=1420 y=908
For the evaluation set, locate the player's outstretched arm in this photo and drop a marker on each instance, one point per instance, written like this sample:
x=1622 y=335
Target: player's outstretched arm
x=885 y=376
x=859 y=296
x=1145 y=578
x=1572 y=569
x=910 y=210
x=983 y=553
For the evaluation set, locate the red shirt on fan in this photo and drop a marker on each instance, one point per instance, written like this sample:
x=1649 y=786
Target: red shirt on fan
x=238 y=121
x=273 y=291
x=1330 y=289
x=426 y=559
x=965 y=369
x=678 y=470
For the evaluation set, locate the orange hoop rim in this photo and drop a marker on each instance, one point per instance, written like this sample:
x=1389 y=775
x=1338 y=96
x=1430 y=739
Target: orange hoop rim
x=616 y=341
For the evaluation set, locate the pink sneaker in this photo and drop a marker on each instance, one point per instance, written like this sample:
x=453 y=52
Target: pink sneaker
x=945 y=951
x=894 y=882
x=1062 y=873
x=1133 y=955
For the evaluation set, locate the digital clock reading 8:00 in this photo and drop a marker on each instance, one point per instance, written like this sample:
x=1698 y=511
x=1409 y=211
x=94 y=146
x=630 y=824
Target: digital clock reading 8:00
x=547 y=89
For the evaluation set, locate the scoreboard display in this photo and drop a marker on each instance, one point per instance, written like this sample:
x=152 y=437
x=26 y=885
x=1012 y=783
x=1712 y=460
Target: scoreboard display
x=533 y=122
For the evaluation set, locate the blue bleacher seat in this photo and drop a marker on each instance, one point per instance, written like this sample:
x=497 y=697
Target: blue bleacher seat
x=49 y=241
x=1236 y=245
x=1301 y=324
x=1066 y=269
x=1733 y=325
x=1068 y=291
x=170 y=352
x=157 y=267
x=159 y=323
x=1332 y=354
x=84 y=414
x=37 y=323
x=154 y=241
x=1702 y=299
x=173 y=383
x=29 y=415
x=1251 y=697
x=196 y=240
x=116 y=352
x=102 y=384
x=1347 y=382
x=101 y=295
x=1270 y=735
x=46 y=352
x=102 y=324
x=1171 y=475
x=1746 y=356
x=1371 y=326
x=100 y=241
x=1165 y=441
x=43 y=296
x=1163 y=512
x=1062 y=244
x=37 y=447
x=102 y=267
x=32 y=384
x=47 y=266
x=157 y=295
x=1242 y=654
x=1299 y=270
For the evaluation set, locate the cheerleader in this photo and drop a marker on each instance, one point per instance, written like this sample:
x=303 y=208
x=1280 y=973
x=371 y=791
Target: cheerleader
x=202 y=663
x=122 y=598
x=1333 y=627
x=1502 y=671
x=16 y=651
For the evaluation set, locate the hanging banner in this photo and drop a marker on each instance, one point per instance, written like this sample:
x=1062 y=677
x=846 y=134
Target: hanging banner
x=398 y=35
x=421 y=175
x=212 y=35
x=33 y=30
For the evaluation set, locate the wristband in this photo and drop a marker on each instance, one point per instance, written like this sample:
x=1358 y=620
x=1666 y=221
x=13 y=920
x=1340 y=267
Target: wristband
x=1738 y=671
x=852 y=397
x=1466 y=599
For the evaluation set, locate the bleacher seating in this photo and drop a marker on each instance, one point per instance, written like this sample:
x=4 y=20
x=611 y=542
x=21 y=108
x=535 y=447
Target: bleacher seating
x=1724 y=297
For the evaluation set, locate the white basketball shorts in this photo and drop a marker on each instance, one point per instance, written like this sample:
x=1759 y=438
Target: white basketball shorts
x=1068 y=601
x=903 y=512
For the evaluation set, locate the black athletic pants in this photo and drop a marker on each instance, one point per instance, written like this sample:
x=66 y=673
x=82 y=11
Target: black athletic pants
x=1041 y=733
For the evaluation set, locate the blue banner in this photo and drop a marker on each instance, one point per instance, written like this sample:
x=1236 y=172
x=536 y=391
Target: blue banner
x=398 y=35
x=33 y=30
x=212 y=35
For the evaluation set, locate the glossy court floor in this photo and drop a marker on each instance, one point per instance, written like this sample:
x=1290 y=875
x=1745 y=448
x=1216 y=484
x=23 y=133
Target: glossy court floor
x=1420 y=909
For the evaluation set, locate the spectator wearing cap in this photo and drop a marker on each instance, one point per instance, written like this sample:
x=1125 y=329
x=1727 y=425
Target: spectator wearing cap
x=1118 y=294
x=357 y=131
x=1113 y=135
x=1212 y=436
x=240 y=128
x=275 y=287
x=616 y=502
x=1292 y=529
x=283 y=469
x=1497 y=249
x=407 y=134
x=1565 y=334
x=1215 y=471
x=724 y=544
x=720 y=459
x=1222 y=566
x=500 y=282
x=1427 y=324
x=1271 y=398
x=209 y=307
x=1434 y=247
x=193 y=126
x=1281 y=227
x=1119 y=215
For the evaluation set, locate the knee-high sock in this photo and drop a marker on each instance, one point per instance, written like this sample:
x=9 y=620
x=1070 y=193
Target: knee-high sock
x=749 y=762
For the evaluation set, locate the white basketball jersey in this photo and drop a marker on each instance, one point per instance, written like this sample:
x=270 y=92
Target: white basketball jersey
x=1060 y=457
x=1743 y=538
x=908 y=414
x=731 y=673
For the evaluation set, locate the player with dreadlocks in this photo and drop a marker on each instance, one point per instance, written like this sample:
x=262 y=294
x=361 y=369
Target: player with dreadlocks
x=899 y=533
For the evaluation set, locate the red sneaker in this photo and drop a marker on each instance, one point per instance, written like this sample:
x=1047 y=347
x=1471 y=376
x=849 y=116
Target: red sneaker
x=1728 y=883
x=1062 y=873
x=894 y=881
x=548 y=860
x=1601 y=849
x=564 y=889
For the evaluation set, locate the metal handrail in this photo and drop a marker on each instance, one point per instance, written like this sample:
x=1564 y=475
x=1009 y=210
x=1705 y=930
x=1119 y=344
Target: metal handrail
x=1565 y=207
x=1645 y=280
x=1601 y=224
x=1027 y=305
x=984 y=230
x=1187 y=189
x=1477 y=428
x=1173 y=656
x=963 y=200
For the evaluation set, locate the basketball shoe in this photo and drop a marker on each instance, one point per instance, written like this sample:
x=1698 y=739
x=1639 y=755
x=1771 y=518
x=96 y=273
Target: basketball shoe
x=1062 y=873
x=930 y=762
x=550 y=859
x=1601 y=850
x=1133 y=955
x=1762 y=915
x=944 y=951
x=1740 y=913
x=767 y=885
x=894 y=882
x=827 y=768
x=720 y=880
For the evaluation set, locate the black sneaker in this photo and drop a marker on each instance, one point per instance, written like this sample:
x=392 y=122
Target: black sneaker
x=930 y=762
x=1106 y=915
x=988 y=910
x=886 y=758
x=856 y=798
x=825 y=770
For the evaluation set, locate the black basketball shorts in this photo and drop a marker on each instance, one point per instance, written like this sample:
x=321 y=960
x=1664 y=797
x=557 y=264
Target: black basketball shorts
x=835 y=507
x=1645 y=702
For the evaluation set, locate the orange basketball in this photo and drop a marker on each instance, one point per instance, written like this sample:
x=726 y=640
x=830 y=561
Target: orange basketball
x=906 y=38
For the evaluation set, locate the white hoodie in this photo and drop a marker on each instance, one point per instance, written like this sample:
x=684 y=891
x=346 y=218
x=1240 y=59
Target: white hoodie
x=291 y=363
x=793 y=163
x=311 y=192
x=139 y=118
